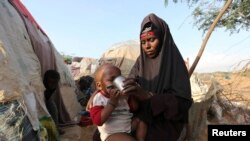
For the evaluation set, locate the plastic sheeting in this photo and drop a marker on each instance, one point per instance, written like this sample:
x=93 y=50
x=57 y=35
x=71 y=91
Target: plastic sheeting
x=20 y=72
x=23 y=63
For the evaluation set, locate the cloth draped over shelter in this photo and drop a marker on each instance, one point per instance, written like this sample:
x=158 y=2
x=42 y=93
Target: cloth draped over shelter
x=122 y=55
x=26 y=52
x=82 y=66
x=20 y=71
x=44 y=50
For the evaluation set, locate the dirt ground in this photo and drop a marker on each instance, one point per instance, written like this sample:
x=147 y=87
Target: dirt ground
x=236 y=87
x=77 y=133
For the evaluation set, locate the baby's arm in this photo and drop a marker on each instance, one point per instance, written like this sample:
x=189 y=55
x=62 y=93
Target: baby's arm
x=100 y=113
x=107 y=110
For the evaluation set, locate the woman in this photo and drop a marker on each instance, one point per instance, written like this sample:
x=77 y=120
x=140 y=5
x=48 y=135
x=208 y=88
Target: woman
x=159 y=80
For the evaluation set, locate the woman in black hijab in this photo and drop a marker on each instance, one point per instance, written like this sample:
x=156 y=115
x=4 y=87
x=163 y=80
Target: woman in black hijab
x=160 y=82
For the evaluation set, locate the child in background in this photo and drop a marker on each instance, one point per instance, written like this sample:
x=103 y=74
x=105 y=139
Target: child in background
x=51 y=80
x=84 y=89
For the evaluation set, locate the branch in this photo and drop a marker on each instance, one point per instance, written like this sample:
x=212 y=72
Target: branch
x=225 y=7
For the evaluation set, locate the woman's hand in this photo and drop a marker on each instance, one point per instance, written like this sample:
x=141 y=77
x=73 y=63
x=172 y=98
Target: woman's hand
x=131 y=87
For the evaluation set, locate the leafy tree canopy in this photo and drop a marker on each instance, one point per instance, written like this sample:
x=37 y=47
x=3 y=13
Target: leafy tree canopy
x=236 y=18
x=67 y=58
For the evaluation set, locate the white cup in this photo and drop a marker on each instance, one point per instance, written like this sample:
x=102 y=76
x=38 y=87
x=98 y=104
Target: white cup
x=118 y=82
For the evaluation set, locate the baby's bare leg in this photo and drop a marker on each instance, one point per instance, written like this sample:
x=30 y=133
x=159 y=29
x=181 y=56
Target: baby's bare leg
x=120 y=137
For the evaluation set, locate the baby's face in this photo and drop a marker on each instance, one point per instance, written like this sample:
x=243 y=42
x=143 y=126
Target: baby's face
x=109 y=74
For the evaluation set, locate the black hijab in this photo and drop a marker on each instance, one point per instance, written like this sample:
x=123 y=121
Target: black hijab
x=167 y=72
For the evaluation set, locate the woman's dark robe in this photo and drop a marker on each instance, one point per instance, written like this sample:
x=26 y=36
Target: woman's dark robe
x=166 y=76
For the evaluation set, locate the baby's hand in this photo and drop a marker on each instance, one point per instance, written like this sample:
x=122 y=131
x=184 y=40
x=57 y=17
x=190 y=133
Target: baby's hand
x=114 y=93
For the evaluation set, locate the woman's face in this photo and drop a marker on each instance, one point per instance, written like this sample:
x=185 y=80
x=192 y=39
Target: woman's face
x=149 y=43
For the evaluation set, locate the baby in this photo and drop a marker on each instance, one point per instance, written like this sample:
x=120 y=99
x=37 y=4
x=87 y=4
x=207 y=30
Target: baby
x=111 y=111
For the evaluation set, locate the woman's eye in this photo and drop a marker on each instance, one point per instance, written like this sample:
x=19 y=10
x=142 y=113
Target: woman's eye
x=152 y=39
x=143 y=42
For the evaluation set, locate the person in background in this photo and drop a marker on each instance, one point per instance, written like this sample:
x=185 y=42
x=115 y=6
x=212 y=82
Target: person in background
x=85 y=84
x=111 y=111
x=50 y=80
x=84 y=89
x=160 y=81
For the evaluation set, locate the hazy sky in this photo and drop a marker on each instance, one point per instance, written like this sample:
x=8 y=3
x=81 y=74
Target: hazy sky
x=87 y=28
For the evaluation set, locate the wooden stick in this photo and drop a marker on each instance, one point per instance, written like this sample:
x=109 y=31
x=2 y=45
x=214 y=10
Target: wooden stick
x=211 y=29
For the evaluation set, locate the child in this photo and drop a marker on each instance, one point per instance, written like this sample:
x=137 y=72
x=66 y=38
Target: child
x=50 y=80
x=111 y=111
x=84 y=89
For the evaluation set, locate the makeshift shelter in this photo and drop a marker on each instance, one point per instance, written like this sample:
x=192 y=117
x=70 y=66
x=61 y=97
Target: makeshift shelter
x=82 y=67
x=26 y=52
x=122 y=55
